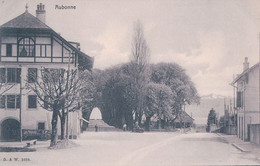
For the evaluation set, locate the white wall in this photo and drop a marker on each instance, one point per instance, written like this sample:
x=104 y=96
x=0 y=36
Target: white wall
x=31 y=117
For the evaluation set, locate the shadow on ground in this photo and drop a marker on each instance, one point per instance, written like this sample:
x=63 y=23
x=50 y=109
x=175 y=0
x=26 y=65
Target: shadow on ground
x=213 y=139
x=17 y=149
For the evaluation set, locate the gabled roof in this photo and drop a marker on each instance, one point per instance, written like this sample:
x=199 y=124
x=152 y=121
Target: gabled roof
x=25 y=20
x=244 y=73
x=184 y=117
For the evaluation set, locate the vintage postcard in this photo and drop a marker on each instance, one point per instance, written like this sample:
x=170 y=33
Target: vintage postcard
x=129 y=83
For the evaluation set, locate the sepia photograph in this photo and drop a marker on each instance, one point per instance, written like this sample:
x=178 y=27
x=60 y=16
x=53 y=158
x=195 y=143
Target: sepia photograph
x=129 y=82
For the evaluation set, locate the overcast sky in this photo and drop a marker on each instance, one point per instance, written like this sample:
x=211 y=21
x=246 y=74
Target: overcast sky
x=208 y=38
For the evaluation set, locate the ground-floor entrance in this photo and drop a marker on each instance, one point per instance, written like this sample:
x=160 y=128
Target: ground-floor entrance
x=10 y=130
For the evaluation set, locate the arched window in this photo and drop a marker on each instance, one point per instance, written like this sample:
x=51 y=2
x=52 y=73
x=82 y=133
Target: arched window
x=26 y=47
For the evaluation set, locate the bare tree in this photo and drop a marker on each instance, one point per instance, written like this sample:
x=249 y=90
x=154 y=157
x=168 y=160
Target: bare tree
x=140 y=56
x=4 y=84
x=140 y=53
x=57 y=91
x=5 y=87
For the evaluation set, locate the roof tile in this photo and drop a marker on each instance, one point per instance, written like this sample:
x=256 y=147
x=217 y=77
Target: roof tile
x=25 y=20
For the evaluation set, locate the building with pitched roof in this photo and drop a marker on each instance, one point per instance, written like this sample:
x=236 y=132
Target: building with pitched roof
x=183 y=120
x=26 y=45
x=247 y=99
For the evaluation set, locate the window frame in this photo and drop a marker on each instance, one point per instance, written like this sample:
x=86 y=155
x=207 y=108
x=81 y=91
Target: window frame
x=239 y=99
x=44 y=125
x=15 y=75
x=18 y=104
x=32 y=77
x=4 y=104
x=3 y=75
x=29 y=102
x=2 y=101
x=12 y=102
x=9 y=52
x=27 y=44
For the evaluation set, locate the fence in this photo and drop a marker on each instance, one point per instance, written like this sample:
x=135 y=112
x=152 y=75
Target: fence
x=36 y=134
x=254 y=133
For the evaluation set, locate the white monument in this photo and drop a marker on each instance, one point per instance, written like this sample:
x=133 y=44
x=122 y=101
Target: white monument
x=95 y=114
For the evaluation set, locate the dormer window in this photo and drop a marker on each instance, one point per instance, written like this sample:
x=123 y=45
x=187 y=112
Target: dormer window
x=26 y=47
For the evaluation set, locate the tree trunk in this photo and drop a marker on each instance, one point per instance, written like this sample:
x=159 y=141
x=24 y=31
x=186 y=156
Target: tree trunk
x=62 y=126
x=160 y=122
x=147 y=123
x=130 y=122
x=123 y=121
x=136 y=116
x=160 y=125
x=54 y=123
x=139 y=119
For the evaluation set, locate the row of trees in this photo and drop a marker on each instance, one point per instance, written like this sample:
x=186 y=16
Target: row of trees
x=128 y=93
x=137 y=91
x=163 y=94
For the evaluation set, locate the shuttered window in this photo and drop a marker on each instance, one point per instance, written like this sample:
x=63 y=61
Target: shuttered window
x=13 y=75
x=2 y=75
x=10 y=101
x=239 y=99
x=32 y=101
x=41 y=126
x=32 y=75
x=2 y=101
x=9 y=50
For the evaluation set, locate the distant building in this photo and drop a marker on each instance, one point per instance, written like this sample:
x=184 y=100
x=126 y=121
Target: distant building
x=183 y=120
x=247 y=99
x=27 y=44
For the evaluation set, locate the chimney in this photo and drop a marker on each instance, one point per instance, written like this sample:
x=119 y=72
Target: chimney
x=40 y=12
x=246 y=64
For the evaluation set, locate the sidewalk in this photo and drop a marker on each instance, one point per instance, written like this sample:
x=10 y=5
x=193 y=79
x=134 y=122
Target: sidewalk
x=39 y=144
x=241 y=145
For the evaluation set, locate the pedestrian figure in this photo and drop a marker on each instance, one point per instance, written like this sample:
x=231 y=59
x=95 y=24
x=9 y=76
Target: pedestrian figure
x=96 y=127
x=124 y=127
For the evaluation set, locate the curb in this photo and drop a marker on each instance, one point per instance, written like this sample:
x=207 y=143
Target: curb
x=239 y=148
x=233 y=144
x=219 y=134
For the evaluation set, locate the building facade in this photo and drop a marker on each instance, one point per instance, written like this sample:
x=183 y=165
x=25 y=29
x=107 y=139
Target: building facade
x=27 y=45
x=246 y=87
x=183 y=120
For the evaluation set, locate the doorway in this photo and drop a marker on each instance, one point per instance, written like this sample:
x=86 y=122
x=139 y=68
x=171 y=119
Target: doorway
x=10 y=130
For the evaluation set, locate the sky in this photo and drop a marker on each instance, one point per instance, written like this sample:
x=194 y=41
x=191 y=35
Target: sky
x=209 y=39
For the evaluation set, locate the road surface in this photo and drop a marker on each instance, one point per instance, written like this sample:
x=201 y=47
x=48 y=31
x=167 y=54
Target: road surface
x=138 y=149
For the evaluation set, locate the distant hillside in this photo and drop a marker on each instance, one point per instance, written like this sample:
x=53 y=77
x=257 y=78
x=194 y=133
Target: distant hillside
x=200 y=112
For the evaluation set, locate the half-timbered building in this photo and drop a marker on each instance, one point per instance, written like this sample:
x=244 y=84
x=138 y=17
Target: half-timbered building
x=27 y=44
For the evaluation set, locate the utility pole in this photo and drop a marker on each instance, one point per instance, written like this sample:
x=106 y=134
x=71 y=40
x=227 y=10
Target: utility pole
x=259 y=80
x=67 y=117
x=20 y=111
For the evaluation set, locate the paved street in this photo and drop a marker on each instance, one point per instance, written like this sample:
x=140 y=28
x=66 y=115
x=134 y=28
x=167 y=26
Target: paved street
x=119 y=148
